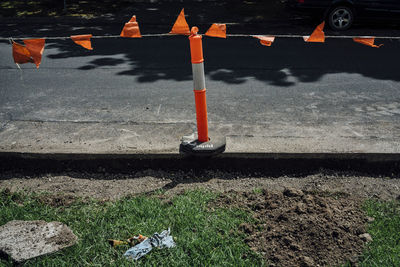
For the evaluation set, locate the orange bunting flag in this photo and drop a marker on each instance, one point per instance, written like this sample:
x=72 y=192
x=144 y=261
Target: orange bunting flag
x=217 y=30
x=35 y=48
x=180 y=26
x=131 y=29
x=318 y=35
x=21 y=55
x=133 y=19
x=83 y=40
x=367 y=41
x=265 y=40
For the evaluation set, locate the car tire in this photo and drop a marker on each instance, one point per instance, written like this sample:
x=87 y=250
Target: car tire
x=340 y=18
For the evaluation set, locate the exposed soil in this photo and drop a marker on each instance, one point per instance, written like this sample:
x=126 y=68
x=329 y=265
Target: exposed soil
x=299 y=228
x=58 y=200
x=111 y=186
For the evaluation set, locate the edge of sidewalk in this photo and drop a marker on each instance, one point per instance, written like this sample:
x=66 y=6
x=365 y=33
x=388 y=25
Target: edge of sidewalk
x=273 y=150
x=250 y=164
x=372 y=157
x=118 y=140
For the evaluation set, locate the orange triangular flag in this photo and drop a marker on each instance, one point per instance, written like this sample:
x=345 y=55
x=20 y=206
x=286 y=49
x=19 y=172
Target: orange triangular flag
x=83 y=40
x=131 y=29
x=133 y=19
x=265 y=40
x=318 y=34
x=21 y=55
x=35 y=48
x=217 y=30
x=367 y=41
x=180 y=26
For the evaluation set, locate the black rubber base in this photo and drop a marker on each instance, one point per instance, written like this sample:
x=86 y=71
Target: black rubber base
x=192 y=146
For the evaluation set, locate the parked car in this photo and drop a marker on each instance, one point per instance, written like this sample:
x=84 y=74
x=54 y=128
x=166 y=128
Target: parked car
x=340 y=14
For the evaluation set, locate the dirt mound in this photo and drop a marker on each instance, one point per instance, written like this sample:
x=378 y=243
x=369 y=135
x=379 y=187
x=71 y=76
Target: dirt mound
x=298 y=228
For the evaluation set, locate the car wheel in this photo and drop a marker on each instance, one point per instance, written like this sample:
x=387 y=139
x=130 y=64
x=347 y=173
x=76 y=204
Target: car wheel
x=340 y=18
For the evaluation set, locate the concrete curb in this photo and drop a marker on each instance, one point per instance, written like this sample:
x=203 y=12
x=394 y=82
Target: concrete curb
x=253 y=165
x=370 y=157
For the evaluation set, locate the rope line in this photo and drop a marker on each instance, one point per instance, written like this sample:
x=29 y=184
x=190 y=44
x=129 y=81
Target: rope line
x=228 y=35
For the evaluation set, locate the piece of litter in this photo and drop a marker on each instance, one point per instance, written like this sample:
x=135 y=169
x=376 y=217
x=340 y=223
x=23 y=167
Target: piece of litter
x=163 y=240
x=139 y=238
x=116 y=243
x=130 y=241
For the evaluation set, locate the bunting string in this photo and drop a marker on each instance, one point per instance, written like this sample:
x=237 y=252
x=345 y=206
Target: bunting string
x=32 y=49
x=227 y=35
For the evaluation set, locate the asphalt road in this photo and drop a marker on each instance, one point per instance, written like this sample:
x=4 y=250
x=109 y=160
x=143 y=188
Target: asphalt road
x=336 y=85
x=150 y=80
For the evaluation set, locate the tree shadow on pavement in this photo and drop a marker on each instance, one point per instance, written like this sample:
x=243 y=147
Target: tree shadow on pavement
x=233 y=60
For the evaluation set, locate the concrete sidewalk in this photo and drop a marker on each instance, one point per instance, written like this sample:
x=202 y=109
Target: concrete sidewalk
x=164 y=138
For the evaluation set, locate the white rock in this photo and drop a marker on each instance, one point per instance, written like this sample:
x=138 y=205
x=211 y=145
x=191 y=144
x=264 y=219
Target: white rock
x=23 y=240
x=366 y=237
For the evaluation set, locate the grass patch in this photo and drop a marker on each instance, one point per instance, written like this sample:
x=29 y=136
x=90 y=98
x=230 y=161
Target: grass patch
x=384 y=250
x=203 y=237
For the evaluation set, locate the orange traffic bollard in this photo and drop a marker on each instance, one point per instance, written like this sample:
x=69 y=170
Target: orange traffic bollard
x=203 y=145
x=196 y=51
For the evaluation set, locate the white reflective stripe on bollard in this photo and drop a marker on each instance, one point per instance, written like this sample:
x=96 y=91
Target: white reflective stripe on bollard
x=199 y=82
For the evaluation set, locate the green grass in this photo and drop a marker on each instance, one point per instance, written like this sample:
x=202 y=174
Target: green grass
x=384 y=250
x=203 y=236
